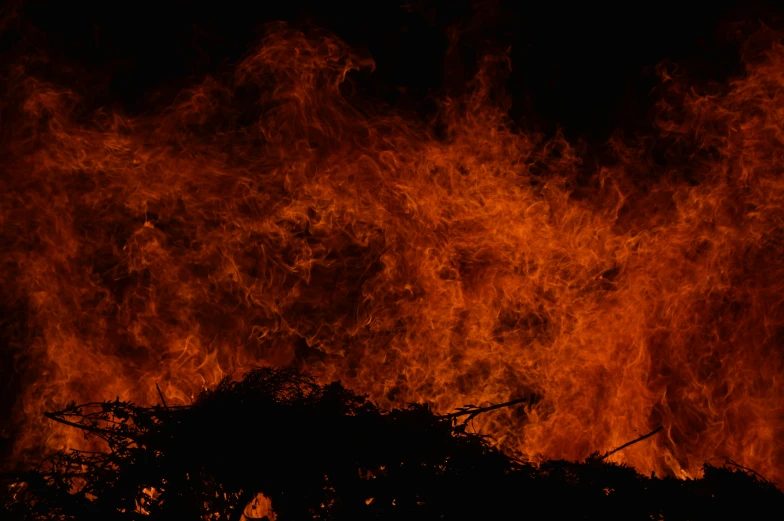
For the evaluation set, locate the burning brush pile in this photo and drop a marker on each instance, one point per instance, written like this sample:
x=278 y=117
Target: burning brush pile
x=277 y=445
x=273 y=216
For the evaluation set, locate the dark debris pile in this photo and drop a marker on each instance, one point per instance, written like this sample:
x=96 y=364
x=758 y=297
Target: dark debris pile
x=322 y=452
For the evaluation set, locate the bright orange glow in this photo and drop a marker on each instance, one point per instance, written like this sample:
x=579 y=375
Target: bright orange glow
x=467 y=264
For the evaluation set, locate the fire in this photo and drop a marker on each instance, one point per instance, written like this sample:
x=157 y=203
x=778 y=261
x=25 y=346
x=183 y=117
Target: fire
x=271 y=217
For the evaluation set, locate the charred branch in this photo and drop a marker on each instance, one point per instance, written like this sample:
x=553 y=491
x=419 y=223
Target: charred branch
x=636 y=440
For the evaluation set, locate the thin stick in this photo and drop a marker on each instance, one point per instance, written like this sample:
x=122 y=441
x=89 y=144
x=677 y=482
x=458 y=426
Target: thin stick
x=728 y=461
x=479 y=410
x=81 y=426
x=654 y=431
x=161 y=395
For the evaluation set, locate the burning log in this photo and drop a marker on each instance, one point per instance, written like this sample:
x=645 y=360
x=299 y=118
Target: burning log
x=278 y=439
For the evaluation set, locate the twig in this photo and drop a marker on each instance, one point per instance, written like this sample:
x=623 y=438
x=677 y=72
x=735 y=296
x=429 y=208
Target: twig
x=89 y=428
x=654 y=431
x=163 y=400
x=728 y=461
x=472 y=413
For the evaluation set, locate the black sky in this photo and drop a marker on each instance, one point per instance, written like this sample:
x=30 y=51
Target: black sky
x=587 y=70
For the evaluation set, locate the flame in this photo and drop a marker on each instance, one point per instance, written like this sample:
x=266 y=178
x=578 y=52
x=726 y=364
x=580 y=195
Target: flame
x=259 y=507
x=271 y=217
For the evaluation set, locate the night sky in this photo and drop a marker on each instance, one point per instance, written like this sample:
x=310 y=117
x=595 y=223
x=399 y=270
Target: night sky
x=585 y=70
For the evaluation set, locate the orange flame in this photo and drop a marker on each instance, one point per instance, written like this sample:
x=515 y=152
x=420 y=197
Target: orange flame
x=272 y=218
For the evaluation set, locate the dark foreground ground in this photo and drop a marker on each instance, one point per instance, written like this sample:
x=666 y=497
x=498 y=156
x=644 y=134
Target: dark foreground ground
x=322 y=452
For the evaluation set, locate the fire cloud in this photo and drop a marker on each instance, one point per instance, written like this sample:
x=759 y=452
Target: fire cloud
x=272 y=218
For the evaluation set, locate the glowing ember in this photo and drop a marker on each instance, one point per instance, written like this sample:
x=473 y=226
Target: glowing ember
x=266 y=219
